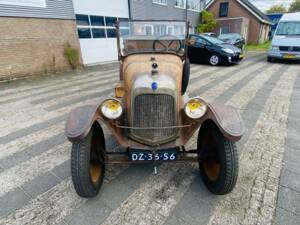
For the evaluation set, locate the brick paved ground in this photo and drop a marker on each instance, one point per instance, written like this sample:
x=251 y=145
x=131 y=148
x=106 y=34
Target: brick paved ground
x=35 y=185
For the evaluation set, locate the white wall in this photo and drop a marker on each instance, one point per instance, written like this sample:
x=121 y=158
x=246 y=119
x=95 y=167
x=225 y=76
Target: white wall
x=102 y=49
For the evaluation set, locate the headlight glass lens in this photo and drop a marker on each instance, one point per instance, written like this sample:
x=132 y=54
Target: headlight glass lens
x=111 y=109
x=227 y=50
x=195 y=108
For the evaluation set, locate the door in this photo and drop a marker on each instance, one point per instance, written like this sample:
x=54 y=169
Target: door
x=197 y=49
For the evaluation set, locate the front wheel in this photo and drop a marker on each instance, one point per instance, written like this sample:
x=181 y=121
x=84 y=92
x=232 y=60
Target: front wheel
x=214 y=59
x=218 y=160
x=271 y=59
x=87 y=165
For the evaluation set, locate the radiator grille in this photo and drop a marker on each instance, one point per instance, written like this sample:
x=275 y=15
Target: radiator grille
x=154 y=110
x=289 y=49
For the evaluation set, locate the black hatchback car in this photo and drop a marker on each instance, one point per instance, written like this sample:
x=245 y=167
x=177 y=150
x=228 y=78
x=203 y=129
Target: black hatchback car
x=212 y=50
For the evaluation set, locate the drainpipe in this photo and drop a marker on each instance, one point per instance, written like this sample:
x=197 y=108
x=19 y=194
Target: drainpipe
x=129 y=9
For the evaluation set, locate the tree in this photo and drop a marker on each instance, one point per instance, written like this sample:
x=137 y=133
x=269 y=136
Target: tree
x=295 y=6
x=277 y=9
x=208 y=22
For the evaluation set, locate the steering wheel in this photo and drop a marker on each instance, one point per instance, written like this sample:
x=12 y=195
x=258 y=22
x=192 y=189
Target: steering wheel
x=167 y=47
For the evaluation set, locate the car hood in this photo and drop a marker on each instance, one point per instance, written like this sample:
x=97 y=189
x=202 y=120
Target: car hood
x=230 y=41
x=231 y=47
x=286 y=41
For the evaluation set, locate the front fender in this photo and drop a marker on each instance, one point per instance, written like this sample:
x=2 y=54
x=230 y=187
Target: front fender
x=228 y=119
x=80 y=121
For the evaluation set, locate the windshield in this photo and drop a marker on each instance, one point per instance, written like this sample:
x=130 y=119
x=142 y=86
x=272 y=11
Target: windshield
x=228 y=36
x=288 y=28
x=213 y=40
x=152 y=36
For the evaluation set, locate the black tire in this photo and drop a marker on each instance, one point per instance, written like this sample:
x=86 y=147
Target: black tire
x=218 y=160
x=214 y=59
x=185 y=76
x=87 y=165
x=271 y=59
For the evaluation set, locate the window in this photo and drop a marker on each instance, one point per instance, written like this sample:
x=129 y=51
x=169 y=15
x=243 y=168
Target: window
x=162 y=2
x=111 y=33
x=224 y=29
x=147 y=30
x=200 y=41
x=98 y=32
x=288 y=28
x=84 y=33
x=194 y=5
x=180 y=4
x=82 y=20
x=94 y=26
x=111 y=21
x=160 y=29
x=123 y=19
x=97 y=20
x=223 y=12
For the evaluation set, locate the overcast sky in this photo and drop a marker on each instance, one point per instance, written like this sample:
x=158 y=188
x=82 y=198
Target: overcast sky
x=265 y=4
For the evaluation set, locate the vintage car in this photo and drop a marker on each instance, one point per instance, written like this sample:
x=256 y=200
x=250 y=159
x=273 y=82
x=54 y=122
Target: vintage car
x=151 y=115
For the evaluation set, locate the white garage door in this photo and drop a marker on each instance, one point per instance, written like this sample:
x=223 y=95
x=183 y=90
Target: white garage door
x=96 y=28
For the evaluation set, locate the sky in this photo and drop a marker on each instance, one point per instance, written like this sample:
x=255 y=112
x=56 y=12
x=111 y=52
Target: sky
x=265 y=4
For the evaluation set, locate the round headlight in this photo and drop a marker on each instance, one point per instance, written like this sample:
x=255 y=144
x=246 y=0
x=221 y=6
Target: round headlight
x=111 y=109
x=195 y=108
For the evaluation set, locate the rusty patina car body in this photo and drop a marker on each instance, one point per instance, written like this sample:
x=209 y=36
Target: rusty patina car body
x=153 y=74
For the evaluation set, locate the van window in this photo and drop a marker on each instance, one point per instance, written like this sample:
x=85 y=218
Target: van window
x=288 y=28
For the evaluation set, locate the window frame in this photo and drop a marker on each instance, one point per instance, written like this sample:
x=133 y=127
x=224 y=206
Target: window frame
x=220 y=9
x=197 y=4
x=180 y=7
x=160 y=2
x=103 y=27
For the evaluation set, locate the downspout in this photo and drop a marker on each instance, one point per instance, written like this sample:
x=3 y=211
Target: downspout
x=129 y=9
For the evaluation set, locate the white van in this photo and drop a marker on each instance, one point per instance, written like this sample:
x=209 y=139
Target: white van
x=286 y=40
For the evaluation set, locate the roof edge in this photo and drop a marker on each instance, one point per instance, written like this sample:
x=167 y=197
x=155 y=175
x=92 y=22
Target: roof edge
x=245 y=6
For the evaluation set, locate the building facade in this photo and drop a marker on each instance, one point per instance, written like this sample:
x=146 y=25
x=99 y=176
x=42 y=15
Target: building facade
x=167 y=10
x=240 y=16
x=96 y=20
x=33 y=34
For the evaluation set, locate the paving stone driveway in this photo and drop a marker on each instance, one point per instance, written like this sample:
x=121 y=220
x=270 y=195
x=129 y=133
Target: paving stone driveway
x=35 y=185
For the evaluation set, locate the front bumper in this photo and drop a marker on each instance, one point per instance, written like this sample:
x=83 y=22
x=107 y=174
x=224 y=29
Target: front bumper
x=284 y=55
x=235 y=58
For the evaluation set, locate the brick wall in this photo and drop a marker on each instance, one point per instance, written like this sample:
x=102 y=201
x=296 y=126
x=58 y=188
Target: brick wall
x=237 y=10
x=31 y=46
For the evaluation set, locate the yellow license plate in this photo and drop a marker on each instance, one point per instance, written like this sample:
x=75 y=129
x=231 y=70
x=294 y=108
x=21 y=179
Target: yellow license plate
x=289 y=56
x=241 y=56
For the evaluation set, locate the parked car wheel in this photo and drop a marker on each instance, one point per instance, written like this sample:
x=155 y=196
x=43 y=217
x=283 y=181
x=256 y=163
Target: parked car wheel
x=87 y=165
x=218 y=160
x=271 y=59
x=214 y=59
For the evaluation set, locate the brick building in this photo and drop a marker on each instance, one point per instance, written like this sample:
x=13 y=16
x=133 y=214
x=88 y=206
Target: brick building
x=33 y=34
x=240 y=16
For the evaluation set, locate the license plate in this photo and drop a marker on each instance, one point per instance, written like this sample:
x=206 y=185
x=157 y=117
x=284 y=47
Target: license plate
x=161 y=155
x=241 y=56
x=289 y=56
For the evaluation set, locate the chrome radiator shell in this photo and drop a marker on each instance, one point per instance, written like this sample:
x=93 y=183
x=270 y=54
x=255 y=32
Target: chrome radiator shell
x=154 y=112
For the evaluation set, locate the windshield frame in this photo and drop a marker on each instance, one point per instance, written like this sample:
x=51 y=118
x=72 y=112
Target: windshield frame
x=182 y=56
